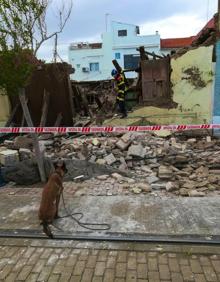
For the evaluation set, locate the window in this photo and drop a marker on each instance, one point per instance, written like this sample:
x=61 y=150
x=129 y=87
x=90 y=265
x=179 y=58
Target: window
x=131 y=61
x=94 y=66
x=117 y=56
x=122 y=32
x=78 y=66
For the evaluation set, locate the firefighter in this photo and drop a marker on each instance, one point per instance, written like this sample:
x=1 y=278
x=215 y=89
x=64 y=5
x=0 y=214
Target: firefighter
x=120 y=87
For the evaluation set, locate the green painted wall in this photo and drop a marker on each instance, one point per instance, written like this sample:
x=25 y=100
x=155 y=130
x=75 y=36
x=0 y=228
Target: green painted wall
x=4 y=109
x=193 y=85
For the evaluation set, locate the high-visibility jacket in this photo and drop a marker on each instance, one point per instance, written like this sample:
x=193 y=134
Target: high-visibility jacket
x=121 y=87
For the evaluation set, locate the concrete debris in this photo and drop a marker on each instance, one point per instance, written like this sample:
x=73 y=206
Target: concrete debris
x=172 y=186
x=9 y=157
x=122 y=145
x=178 y=165
x=152 y=179
x=102 y=177
x=194 y=193
x=165 y=172
x=158 y=186
x=95 y=142
x=144 y=187
x=23 y=142
x=25 y=154
x=117 y=176
x=136 y=151
x=136 y=190
x=101 y=161
x=110 y=159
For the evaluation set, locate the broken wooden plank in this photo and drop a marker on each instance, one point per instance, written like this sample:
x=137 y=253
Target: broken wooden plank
x=77 y=98
x=45 y=107
x=120 y=70
x=98 y=102
x=22 y=120
x=151 y=54
x=23 y=117
x=58 y=120
x=84 y=101
x=71 y=93
x=143 y=55
x=154 y=55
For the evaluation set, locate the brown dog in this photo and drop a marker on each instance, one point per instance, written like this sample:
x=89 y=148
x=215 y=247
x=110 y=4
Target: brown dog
x=51 y=197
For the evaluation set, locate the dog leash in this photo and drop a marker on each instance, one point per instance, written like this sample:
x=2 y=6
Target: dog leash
x=85 y=225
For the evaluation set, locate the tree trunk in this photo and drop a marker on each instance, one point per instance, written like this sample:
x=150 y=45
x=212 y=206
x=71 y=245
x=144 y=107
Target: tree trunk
x=39 y=157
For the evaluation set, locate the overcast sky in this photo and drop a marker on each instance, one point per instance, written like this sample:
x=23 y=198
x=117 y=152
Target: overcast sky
x=172 y=18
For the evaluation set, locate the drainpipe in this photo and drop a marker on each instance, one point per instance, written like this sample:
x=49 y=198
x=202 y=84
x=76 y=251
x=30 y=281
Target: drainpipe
x=218 y=17
x=216 y=98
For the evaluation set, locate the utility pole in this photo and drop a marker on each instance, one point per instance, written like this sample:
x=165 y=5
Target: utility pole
x=106 y=21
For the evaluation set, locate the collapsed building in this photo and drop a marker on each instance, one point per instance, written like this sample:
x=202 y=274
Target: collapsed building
x=170 y=89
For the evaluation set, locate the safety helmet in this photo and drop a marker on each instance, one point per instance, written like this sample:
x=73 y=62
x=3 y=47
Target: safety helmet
x=114 y=72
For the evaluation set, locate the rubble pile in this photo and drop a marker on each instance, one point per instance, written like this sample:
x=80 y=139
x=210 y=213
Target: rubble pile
x=177 y=165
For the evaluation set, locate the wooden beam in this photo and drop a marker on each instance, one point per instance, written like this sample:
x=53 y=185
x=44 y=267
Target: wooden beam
x=58 y=120
x=143 y=54
x=71 y=94
x=117 y=66
x=151 y=54
x=119 y=69
x=38 y=153
x=45 y=107
x=84 y=101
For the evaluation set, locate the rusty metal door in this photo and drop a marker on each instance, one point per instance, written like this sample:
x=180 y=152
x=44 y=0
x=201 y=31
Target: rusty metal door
x=156 y=81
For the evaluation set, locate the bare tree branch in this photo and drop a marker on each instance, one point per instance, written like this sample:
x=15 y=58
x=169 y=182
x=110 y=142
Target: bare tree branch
x=23 y=23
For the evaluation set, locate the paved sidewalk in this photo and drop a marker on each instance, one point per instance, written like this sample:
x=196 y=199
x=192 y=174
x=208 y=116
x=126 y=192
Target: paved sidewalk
x=53 y=260
x=25 y=260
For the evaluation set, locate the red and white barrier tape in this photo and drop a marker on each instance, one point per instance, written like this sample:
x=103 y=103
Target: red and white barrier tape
x=107 y=129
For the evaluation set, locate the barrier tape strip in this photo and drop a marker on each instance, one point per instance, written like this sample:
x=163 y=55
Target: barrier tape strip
x=123 y=129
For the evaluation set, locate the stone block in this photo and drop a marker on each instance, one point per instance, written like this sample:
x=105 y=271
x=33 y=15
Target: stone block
x=128 y=137
x=171 y=186
x=25 y=154
x=95 y=142
x=117 y=176
x=101 y=161
x=103 y=177
x=158 y=186
x=136 y=151
x=165 y=172
x=110 y=159
x=122 y=145
x=23 y=142
x=194 y=193
x=152 y=179
x=145 y=187
x=8 y=143
x=9 y=157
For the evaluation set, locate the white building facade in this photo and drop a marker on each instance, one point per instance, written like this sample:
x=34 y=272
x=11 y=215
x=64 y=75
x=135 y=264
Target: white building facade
x=93 y=61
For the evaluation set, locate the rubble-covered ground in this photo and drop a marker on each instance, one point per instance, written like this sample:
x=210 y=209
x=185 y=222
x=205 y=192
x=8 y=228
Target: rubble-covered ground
x=175 y=166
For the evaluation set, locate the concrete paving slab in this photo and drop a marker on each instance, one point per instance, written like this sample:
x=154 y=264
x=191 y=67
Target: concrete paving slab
x=142 y=214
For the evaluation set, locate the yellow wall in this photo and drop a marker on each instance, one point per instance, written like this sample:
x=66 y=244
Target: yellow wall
x=194 y=105
x=4 y=109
